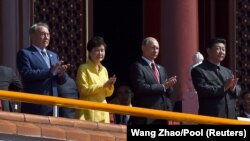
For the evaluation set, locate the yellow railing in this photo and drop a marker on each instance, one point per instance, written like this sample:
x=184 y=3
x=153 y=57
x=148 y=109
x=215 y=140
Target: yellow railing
x=135 y=111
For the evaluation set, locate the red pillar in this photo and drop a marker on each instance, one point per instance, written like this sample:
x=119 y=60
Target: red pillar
x=179 y=42
x=175 y=24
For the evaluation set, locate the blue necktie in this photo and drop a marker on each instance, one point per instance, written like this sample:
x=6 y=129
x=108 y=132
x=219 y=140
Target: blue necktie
x=46 y=58
x=54 y=84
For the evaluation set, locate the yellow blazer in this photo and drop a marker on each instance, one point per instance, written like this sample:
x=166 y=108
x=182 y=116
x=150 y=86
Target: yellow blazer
x=90 y=85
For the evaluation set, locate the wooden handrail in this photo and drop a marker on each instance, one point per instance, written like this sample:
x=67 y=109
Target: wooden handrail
x=135 y=111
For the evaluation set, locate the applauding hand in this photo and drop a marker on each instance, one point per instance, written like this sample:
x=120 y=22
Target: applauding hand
x=110 y=82
x=170 y=82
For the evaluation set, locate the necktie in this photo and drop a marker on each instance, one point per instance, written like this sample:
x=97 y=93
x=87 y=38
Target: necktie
x=156 y=73
x=54 y=84
x=46 y=58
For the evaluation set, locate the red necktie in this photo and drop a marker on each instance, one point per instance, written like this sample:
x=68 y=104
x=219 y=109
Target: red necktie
x=156 y=73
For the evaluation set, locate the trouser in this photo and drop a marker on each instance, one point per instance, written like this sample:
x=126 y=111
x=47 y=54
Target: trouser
x=10 y=106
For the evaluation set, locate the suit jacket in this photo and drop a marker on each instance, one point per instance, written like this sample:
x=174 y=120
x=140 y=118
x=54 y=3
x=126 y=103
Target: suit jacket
x=37 y=78
x=68 y=90
x=9 y=81
x=213 y=100
x=148 y=93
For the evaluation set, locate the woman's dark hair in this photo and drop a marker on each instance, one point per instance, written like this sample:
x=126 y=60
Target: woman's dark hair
x=95 y=42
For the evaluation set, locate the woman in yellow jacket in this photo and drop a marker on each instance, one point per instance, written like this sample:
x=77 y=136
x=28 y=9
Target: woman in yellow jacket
x=93 y=81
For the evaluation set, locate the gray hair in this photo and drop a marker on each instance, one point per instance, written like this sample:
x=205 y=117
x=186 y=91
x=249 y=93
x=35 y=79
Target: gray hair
x=34 y=27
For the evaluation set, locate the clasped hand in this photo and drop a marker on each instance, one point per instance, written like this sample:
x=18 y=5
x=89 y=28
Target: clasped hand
x=170 y=82
x=231 y=83
x=59 y=68
x=110 y=82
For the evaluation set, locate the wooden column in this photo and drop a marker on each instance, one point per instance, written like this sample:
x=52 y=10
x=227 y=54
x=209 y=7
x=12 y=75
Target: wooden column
x=15 y=20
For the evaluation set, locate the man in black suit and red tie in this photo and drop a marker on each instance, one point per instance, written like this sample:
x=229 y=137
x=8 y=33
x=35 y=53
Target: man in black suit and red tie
x=151 y=85
x=9 y=81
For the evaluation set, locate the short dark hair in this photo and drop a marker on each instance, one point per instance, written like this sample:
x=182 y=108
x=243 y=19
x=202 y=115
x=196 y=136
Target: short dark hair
x=216 y=40
x=95 y=41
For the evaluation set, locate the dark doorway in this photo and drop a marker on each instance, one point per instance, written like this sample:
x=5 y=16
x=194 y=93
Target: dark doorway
x=120 y=23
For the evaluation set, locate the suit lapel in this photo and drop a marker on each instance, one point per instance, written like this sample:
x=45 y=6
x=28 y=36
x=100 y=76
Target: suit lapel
x=222 y=75
x=149 y=70
x=51 y=58
x=151 y=73
x=37 y=55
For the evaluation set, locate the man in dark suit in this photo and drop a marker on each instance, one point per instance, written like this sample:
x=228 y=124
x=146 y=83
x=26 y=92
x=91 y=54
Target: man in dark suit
x=124 y=96
x=215 y=84
x=9 y=81
x=150 y=85
x=40 y=69
x=68 y=90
